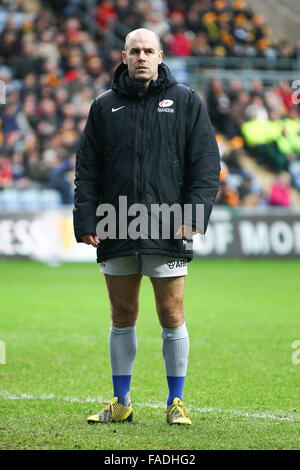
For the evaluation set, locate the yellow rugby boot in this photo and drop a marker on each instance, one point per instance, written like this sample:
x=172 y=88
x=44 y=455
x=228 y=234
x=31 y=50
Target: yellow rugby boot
x=114 y=412
x=177 y=413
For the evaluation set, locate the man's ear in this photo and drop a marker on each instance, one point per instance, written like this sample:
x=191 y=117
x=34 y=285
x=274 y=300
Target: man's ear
x=124 y=57
x=160 y=56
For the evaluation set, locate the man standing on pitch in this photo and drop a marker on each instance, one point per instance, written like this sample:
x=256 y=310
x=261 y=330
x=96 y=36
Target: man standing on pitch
x=149 y=139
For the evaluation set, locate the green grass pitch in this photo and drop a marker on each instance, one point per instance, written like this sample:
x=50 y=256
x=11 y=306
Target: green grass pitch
x=242 y=388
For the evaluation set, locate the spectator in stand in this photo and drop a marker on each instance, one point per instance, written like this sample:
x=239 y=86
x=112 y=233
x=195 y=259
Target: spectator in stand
x=234 y=89
x=280 y=193
x=256 y=109
x=257 y=88
x=227 y=194
x=218 y=105
x=285 y=50
x=105 y=14
x=238 y=111
x=286 y=94
x=227 y=114
x=294 y=169
x=156 y=21
x=9 y=118
x=200 y=45
x=6 y=173
x=296 y=54
x=180 y=44
x=9 y=44
x=240 y=7
x=121 y=9
x=274 y=103
x=20 y=179
x=56 y=175
x=260 y=29
x=193 y=21
x=245 y=188
x=28 y=61
x=233 y=153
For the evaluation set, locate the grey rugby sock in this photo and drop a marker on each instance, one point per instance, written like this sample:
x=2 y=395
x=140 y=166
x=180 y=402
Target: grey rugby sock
x=123 y=348
x=175 y=349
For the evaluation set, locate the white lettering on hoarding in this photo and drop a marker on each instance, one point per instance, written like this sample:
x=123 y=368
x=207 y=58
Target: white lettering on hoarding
x=254 y=238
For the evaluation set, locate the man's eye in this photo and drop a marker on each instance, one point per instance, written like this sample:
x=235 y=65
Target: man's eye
x=136 y=51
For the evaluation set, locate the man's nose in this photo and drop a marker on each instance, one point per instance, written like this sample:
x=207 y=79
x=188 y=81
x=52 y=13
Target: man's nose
x=142 y=55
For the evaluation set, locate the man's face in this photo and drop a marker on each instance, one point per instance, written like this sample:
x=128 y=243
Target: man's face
x=142 y=56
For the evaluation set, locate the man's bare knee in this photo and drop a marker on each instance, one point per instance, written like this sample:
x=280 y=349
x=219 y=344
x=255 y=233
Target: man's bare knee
x=169 y=298
x=123 y=315
x=124 y=298
x=170 y=318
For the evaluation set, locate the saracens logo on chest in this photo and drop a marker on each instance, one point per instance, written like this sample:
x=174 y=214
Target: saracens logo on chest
x=165 y=106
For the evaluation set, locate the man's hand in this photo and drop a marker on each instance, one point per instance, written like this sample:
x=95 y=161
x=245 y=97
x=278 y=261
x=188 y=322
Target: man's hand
x=186 y=231
x=90 y=239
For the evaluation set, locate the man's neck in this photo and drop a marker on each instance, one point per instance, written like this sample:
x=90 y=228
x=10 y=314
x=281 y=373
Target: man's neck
x=145 y=87
x=146 y=84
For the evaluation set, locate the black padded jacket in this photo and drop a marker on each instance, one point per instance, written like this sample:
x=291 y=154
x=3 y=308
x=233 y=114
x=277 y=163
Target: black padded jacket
x=154 y=148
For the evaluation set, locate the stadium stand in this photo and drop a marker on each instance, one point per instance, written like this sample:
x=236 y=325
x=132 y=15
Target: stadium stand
x=56 y=57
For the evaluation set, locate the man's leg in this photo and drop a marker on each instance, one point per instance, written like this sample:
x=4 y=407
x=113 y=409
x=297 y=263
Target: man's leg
x=169 y=297
x=124 y=299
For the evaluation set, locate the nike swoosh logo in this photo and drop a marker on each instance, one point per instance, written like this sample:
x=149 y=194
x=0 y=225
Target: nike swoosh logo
x=117 y=109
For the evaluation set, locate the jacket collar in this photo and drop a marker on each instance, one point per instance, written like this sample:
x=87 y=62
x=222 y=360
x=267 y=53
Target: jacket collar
x=124 y=85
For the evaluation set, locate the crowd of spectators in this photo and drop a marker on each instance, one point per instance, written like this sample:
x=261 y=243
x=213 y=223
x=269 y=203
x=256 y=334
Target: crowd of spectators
x=220 y=28
x=52 y=69
x=265 y=122
x=53 y=66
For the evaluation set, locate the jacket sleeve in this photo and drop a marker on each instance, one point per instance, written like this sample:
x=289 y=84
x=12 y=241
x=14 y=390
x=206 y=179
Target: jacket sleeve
x=202 y=164
x=87 y=177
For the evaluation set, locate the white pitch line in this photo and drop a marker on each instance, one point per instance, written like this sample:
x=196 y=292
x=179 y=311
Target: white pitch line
x=234 y=413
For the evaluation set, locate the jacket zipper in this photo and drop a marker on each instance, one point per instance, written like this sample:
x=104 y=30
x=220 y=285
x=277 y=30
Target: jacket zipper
x=141 y=116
